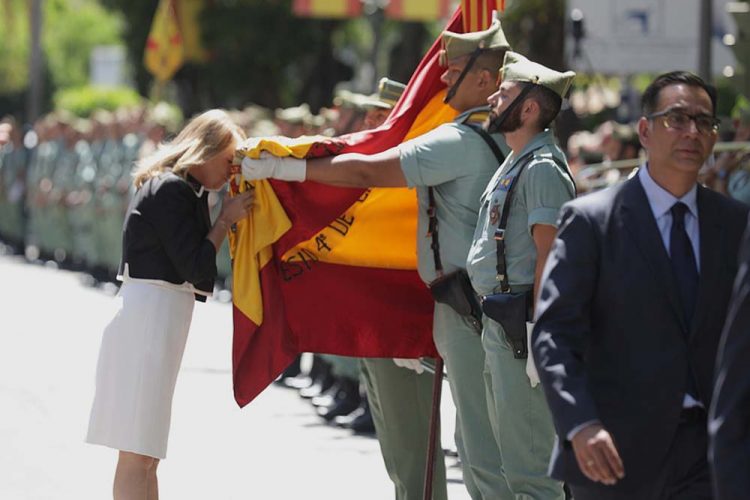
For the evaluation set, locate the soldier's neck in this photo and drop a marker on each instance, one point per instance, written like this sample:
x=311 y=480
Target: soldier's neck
x=518 y=139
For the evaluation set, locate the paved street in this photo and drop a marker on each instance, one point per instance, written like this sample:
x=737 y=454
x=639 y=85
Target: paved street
x=275 y=448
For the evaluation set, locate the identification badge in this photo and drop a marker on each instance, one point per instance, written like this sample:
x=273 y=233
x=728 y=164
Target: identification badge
x=505 y=182
x=494 y=214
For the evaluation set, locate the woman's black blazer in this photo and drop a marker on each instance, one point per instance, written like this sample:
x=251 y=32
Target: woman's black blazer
x=164 y=233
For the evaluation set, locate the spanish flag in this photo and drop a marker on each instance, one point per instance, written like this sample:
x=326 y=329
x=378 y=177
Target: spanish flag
x=477 y=14
x=418 y=10
x=164 y=46
x=333 y=270
x=327 y=9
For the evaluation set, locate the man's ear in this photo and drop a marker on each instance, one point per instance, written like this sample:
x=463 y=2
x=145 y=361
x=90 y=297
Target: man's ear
x=485 y=79
x=531 y=108
x=644 y=132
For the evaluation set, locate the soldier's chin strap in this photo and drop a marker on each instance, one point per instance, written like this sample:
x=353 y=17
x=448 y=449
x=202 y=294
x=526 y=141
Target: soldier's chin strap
x=495 y=124
x=452 y=91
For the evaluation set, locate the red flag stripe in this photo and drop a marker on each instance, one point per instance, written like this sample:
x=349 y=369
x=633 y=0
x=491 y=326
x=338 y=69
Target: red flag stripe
x=264 y=352
x=467 y=13
x=302 y=7
x=354 y=8
x=445 y=7
x=395 y=8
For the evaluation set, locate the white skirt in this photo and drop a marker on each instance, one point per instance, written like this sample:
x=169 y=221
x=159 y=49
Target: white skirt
x=137 y=370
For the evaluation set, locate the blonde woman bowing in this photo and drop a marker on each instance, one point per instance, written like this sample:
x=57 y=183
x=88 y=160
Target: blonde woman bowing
x=168 y=262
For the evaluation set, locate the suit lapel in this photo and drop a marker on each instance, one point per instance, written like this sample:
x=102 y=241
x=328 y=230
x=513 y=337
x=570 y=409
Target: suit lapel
x=711 y=248
x=640 y=223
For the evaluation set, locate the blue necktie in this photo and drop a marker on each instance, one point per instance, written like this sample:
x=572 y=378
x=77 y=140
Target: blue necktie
x=683 y=261
x=686 y=273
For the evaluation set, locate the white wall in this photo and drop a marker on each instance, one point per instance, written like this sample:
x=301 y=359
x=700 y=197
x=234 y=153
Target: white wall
x=633 y=36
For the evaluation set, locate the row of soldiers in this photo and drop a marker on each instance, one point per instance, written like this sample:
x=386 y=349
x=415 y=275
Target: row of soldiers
x=65 y=183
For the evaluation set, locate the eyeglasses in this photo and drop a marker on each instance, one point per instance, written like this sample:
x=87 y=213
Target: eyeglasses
x=679 y=120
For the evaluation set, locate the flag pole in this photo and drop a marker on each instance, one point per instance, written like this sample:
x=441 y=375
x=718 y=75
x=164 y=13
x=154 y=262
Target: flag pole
x=437 y=387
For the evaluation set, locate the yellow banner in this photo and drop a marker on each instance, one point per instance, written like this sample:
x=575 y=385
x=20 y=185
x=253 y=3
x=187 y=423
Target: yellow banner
x=189 y=12
x=327 y=8
x=164 y=47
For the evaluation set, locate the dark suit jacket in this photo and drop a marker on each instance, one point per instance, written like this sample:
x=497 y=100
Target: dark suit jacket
x=610 y=338
x=730 y=411
x=164 y=234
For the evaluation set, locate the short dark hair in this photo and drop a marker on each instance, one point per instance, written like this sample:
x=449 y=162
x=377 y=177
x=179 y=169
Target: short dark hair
x=650 y=98
x=490 y=60
x=549 y=104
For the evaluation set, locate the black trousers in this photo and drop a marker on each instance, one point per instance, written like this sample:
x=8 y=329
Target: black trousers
x=685 y=475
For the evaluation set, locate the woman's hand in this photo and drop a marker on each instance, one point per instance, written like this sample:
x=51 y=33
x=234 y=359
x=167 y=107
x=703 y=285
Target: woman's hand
x=237 y=207
x=232 y=210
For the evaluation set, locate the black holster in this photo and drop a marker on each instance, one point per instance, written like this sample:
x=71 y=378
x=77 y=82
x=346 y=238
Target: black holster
x=454 y=289
x=512 y=311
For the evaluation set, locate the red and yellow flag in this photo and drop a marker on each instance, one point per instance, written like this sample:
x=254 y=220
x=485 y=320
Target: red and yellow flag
x=188 y=15
x=333 y=270
x=164 y=46
x=418 y=10
x=478 y=13
x=332 y=9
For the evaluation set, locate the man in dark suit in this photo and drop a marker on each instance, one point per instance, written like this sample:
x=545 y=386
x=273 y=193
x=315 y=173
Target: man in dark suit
x=729 y=423
x=631 y=308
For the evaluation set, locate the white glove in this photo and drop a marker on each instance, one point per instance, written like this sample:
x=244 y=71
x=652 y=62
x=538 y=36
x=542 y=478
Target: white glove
x=530 y=365
x=269 y=166
x=410 y=363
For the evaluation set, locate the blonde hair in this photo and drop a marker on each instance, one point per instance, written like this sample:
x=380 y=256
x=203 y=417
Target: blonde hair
x=204 y=137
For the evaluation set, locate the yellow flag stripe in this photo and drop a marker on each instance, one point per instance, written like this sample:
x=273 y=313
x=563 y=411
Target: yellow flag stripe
x=380 y=230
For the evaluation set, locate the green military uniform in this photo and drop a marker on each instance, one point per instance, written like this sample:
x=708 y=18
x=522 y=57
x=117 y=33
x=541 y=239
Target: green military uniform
x=738 y=185
x=401 y=402
x=400 y=399
x=32 y=193
x=388 y=94
x=455 y=161
x=5 y=151
x=521 y=420
x=81 y=213
x=63 y=176
x=113 y=176
x=291 y=121
x=40 y=193
x=14 y=174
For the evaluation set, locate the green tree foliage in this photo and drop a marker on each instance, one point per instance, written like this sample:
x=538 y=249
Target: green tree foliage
x=536 y=28
x=14 y=49
x=741 y=49
x=72 y=28
x=137 y=15
x=82 y=101
x=262 y=53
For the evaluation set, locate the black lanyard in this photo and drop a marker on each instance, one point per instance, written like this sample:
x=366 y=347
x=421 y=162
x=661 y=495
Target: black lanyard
x=502 y=268
x=432 y=228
